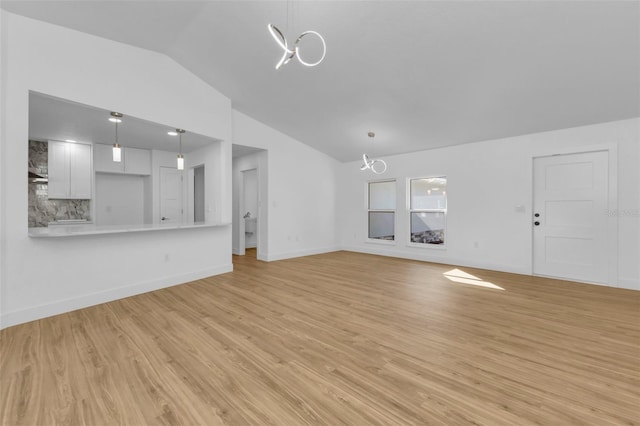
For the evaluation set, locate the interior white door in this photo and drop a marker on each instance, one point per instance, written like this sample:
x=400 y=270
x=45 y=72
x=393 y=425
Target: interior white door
x=570 y=198
x=171 y=208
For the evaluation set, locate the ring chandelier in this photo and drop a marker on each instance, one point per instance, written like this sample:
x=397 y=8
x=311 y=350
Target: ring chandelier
x=377 y=166
x=288 y=53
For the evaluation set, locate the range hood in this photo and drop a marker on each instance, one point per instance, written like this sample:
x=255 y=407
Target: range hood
x=36 y=177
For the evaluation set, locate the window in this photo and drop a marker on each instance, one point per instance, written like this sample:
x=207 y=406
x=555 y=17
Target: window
x=382 y=210
x=428 y=210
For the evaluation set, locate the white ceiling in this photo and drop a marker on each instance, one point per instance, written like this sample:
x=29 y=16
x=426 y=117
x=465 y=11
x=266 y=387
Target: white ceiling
x=421 y=74
x=52 y=118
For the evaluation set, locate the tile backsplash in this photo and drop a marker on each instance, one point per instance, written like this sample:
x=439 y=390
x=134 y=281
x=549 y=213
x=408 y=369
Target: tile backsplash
x=42 y=210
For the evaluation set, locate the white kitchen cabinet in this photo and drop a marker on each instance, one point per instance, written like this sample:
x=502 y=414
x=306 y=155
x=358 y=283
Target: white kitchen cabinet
x=70 y=170
x=58 y=169
x=80 y=171
x=134 y=161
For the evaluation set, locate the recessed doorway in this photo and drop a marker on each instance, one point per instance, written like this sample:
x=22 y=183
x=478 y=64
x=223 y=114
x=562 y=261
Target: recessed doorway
x=250 y=201
x=171 y=210
x=198 y=194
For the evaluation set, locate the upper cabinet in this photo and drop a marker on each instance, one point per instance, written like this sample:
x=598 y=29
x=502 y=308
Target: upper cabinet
x=134 y=161
x=70 y=171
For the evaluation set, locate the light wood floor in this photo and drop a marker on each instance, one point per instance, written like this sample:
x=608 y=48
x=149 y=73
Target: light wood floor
x=341 y=338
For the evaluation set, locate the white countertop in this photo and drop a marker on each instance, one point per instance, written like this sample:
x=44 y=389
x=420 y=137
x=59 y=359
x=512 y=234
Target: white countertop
x=91 y=229
x=67 y=222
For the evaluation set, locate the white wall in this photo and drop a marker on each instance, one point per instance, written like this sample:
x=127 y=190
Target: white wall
x=217 y=180
x=486 y=181
x=3 y=137
x=301 y=191
x=42 y=277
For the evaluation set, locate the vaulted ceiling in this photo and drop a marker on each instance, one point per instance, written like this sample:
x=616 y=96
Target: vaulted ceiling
x=421 y=74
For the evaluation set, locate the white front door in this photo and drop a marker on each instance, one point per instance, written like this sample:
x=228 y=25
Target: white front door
x=171 y=208
x=570 y=198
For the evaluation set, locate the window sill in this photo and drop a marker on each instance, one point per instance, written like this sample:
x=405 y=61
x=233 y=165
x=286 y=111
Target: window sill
x=427 y=246
x=382 y=242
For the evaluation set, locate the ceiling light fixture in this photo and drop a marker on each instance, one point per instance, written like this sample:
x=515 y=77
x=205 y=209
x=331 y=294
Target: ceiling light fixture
x=172 y=133
x=116 y=117
x=289 y=53
x=180 y=156
x=377 y=166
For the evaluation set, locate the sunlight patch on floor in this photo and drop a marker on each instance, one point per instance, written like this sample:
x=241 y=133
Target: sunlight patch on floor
x=458 y=276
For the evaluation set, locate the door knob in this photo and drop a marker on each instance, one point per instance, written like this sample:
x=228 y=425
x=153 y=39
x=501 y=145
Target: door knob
x=536 y=223
x=164 y=218
x=537 y=215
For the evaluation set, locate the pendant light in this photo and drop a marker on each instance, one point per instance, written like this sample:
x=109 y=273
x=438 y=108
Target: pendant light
x=180 y=156
x=288 y=53
x=294 y=51
x=377 y=166
x=116 y=118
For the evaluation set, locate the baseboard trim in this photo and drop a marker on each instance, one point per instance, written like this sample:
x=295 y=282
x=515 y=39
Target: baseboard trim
x=9 y=319
x=434 y=257
x=629 y=283
x=299 y=253
x=626 y=283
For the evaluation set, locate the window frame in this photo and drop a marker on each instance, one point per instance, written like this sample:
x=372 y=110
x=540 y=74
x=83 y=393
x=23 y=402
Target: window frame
x=368 y=210
x=410 y=211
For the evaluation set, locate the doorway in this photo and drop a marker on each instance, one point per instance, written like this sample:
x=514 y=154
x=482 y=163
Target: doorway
x=249 y=209
x=171 y=209
x=198 y=194
x=250 y=195
x=571 y=233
